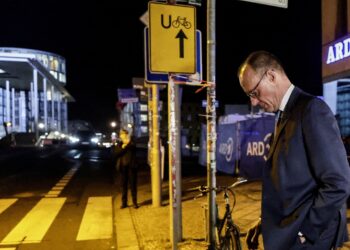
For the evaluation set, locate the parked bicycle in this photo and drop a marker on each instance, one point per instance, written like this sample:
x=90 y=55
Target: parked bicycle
x=227 y=233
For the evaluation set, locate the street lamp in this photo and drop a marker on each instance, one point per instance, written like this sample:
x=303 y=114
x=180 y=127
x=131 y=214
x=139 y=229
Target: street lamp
x=6 y=126
x=41 y=125
x=113 y=124
x=114 y=134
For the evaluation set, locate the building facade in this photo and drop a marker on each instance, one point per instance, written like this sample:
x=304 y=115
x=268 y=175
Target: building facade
x=33 y=97
x=336 y=60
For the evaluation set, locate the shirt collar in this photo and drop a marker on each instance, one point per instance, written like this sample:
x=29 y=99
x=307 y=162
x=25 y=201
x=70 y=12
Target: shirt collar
x=286 y=97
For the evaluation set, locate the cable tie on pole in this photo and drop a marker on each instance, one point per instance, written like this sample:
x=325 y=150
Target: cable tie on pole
x=195 y=82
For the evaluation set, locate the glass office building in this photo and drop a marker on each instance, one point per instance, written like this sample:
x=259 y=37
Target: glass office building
x=33 y=97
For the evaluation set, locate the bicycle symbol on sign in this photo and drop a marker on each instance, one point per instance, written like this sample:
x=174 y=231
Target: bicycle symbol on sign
x=181 y=21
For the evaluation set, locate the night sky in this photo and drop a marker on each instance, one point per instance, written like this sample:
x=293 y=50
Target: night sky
x=102 y=42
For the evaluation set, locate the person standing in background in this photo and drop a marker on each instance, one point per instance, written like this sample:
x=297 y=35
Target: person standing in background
x=127 y=167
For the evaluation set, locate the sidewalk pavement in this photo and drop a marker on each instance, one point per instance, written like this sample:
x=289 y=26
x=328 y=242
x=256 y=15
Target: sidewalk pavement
x=147 y=228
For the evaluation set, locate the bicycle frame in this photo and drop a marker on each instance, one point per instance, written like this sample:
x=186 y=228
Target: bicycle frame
x=231 y=238
x=228 y=221
x=227 y=215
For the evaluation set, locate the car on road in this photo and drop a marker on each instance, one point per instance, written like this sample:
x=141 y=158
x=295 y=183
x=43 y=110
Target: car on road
x=84 y=138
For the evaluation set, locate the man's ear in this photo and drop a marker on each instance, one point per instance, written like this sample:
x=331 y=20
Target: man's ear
x=271 y=75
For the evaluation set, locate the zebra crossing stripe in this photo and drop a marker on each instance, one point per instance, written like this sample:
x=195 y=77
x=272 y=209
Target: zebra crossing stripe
x=57 y=189
x=32 y=228
x=97 y=219
x=5 y=203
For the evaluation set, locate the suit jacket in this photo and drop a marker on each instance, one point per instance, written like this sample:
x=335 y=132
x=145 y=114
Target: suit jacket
x=306 y=179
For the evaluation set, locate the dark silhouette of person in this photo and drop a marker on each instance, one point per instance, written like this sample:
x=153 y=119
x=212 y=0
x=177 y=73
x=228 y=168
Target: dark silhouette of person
x=127 y=167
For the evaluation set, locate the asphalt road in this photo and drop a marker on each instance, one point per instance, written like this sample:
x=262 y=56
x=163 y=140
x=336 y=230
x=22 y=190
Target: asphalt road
x=56 y=199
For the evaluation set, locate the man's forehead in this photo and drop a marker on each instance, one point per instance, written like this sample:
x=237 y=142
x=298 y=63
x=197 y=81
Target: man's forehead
x=246 y=74
x=243 y=70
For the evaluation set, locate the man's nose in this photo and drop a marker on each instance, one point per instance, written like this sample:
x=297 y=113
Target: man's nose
x=254 y=101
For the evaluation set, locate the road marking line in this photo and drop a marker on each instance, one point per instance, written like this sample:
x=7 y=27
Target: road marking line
x=64 y=182
x=97 y=219
x=53 y=192
x=6 y=203
x=33 y=227
x=61 y=184
x=51 y=196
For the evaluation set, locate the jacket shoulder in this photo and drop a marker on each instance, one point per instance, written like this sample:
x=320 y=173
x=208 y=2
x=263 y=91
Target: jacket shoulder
x=303 y=100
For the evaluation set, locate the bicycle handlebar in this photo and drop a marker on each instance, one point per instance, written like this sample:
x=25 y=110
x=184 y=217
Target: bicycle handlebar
x=239 y=181
x=204 y=189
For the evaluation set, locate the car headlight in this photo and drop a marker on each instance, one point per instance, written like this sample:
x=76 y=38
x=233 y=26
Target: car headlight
x=74 y=139
x=94 y=140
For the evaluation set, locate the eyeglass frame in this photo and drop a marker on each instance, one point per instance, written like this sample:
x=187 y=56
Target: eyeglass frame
x=252 y=93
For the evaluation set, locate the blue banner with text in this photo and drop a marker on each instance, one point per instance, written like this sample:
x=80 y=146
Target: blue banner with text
x=226 y=150
x=244 y=144
x=255 y=136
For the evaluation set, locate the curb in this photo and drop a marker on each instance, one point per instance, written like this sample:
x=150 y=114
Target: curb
x=125 y=231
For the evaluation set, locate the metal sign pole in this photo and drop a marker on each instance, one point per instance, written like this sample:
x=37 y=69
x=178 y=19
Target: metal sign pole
x=174 y=164
x=211 y=121
x=150 y=124
x=155 y=165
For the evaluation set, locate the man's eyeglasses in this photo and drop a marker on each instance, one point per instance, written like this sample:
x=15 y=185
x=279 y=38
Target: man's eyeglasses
x=253 y=93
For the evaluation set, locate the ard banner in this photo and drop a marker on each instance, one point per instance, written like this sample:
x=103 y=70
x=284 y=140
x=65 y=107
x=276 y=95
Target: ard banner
x=226 y=147
x=255 y=136
x=226 y=150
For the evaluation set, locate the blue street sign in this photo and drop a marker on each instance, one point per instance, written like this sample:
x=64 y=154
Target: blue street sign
x=163 y=78
x=204 y=103
x=127 y=95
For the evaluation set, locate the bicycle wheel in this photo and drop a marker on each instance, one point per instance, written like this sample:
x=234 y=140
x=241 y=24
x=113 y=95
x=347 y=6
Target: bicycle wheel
x=187 y=25
x=176 y=24
x=231 y=240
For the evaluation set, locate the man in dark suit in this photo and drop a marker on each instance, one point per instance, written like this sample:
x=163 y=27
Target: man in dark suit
x=125 y=153
x=306 y=180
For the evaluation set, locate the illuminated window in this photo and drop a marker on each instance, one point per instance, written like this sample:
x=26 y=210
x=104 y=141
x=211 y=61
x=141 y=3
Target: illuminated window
x=144 y=129
x=143 y=107
x=49 y=96
x=63 y=67
x=144 y=118
x=54 y=64
x=53 y=73
x=343 y=106
x=62 y=77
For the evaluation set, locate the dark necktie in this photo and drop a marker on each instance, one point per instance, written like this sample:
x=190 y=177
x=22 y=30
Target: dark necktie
x=278 y=120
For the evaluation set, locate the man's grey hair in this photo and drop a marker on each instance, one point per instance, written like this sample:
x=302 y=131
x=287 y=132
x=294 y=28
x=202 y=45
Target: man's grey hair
x=261 y=61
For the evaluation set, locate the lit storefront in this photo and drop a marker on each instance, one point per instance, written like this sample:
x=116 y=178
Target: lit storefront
x=32 y=93
x=336 y=60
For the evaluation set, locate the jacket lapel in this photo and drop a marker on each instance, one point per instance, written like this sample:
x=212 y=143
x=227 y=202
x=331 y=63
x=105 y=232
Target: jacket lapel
x=284 y=119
